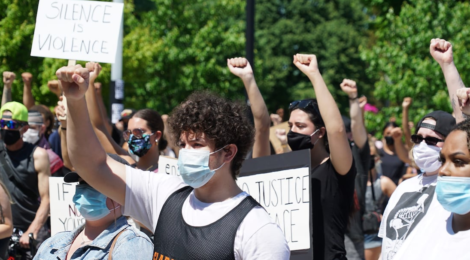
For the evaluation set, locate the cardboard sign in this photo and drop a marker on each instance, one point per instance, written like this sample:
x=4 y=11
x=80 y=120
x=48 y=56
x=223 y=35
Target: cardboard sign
x=64 y=214
x=273 y=138
x=168 y=165
x=77 y=30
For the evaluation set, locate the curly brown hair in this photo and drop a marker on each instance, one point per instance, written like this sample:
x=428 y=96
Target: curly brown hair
x=225 y=122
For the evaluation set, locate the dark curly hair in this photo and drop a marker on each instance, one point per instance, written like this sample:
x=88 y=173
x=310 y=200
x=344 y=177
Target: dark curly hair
x=222 y=121
x=464 y=126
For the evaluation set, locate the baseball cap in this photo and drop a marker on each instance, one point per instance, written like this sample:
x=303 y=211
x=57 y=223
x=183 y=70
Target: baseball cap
x=74 y=177
x=19 y=111
x=445 y=122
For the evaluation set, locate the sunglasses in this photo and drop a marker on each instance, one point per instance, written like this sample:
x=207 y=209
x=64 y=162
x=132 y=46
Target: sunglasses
x=11 y=124
x=138 y=133
x=417 y=139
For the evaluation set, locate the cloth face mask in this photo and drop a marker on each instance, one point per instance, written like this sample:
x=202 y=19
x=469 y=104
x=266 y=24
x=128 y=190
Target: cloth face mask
x=194 y=166
x=10 y=137
x=139 y=146
x=453 y=193
x=31 y=136
x=298 y=141
x=427 y=157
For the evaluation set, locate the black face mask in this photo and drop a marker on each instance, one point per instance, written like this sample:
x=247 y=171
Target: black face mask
x=298 y=141
x=389 y=140
x=10 y=137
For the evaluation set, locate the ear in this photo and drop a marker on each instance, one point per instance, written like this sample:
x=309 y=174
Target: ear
x=229 y=152
x=322 y=132
x=158 y=136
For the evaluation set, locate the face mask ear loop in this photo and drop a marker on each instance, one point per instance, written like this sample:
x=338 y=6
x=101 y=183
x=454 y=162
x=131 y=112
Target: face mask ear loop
x=222 y=163
x=219 y=150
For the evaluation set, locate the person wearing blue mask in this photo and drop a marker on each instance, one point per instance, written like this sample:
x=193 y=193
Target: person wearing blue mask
x=105 y=234
x=204 y=215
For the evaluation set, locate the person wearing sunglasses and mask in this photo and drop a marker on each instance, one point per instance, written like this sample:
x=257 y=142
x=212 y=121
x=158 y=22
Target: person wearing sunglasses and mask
x=203 y=216
x=320 y=129
x=24 y=169
x=105 y=234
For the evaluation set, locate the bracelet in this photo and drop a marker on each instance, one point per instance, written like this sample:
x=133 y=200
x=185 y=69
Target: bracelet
x=354 y=98
x=63 y=128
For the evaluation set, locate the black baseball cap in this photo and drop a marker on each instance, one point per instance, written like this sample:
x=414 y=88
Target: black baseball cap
x=445 y=122
x=74 y=177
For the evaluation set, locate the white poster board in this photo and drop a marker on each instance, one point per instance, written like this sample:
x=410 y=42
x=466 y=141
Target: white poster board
x=77 y=30
x=64 y=214
x=168 y=165
x=286 y=197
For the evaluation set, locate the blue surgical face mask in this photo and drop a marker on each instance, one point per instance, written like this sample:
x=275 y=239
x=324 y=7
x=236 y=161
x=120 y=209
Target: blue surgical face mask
x=90 y=203
x=454 y=194
x=139 y=146
x=194 y=167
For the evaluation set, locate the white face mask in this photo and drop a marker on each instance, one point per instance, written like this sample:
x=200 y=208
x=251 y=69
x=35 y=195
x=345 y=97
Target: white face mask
x=31 y=136
x=427 y=157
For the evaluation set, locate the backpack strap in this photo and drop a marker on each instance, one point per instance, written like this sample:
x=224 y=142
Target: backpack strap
x=110 y=255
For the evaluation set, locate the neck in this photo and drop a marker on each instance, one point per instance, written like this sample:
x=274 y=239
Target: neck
x=16 y=146
x=389 y=148
x=461 y=222
x=149 y=160
x=318 y=155
x=220 y=188
x=94 y=228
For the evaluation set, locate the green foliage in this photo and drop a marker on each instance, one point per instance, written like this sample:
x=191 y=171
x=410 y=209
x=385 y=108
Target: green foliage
x=400 y=57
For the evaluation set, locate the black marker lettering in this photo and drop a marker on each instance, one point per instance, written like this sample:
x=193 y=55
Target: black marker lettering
x=83 y=12
x=93 y=47
x=105 y=13
x=74 y=11
x=291 y=225
x=93 y=14
x=288 y=191
x=83 y=44
x=304 y=189
x=53 y=5
x=297 y=198
x=103 y=48
x=274 y=189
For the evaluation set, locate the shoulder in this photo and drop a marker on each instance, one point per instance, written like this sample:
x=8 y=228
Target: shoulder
x=55 y=241
x=134 y=244
x=40 y=154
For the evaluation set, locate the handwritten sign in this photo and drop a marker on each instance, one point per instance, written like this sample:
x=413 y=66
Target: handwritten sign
x=64 y=214
x=168 y=165
x=77 y=30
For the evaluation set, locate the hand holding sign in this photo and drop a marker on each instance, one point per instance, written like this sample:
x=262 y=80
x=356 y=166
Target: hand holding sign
x=8 y=78
x=74 y=81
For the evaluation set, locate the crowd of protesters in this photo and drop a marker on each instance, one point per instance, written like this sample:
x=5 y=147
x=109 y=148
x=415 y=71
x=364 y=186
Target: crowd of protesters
x=404 y=196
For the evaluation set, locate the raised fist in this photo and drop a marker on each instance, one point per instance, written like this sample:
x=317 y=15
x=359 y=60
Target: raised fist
x=349 y=87
x=8 y=78
x=307 y=63
x=54 y=87
x=407 y=102
x=463 y=94
x=74 y=80
x=240 y=67
x=362 y=102
x=94 y=69
x=97 y=86
x=441 y=51
x=282 y=136
x=27 y=78
x=276 y=119
x=397 y=133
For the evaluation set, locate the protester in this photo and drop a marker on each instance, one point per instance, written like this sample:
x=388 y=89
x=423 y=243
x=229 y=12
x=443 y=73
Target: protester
x=320 y=128
x=6 y=222
x=8 y=78
x=24 y=169
x=411 y=205
x=215 y=137
x=105 y=234
x=357 y=135
x=392 y=165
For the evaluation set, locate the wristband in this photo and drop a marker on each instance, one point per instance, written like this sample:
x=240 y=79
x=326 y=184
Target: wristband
x=63 y=128
x=354 y=98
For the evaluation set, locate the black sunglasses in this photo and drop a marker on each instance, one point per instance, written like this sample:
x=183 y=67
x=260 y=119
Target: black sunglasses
x=417 y=139
x=11 y=124
x=308 y=104
x=137 y=132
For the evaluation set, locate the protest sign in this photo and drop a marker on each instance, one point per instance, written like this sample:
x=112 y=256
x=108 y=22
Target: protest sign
x=168 y=165
x=77 y=30
x=64 y=214
x=281 y=184
x=273 y=138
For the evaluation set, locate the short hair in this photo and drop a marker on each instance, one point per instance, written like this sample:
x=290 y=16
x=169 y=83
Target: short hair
x=464 y=126
x=225 y=122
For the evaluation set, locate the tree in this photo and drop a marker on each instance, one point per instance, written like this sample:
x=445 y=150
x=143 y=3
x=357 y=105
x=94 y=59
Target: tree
x=400 y=57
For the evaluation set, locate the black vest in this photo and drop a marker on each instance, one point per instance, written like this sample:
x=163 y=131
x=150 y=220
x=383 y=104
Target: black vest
x=21 y=179
x=174 y=239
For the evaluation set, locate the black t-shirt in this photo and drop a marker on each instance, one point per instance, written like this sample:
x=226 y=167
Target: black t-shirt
x=392 y=166
x=332 y=201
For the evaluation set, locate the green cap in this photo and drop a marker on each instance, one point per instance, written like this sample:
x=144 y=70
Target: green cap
x=19 y=111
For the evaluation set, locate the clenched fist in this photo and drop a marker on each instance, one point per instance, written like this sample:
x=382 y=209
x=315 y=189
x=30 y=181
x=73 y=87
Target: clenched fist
x=397 y=133
x=407 y=102
x=8 y=78
x=276 y=119
x=307 y=63
x=463 y=94
x=27 y=78
x=240 y=67
x=74 y=80
x=441 y=51
x=94 y=69
x=54 y=87
x=349 y=87
x=282 y=136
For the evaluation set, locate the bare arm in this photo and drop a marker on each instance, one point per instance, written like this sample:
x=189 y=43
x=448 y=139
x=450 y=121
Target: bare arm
x=340 y=152
x=8 y=78
x=388 y=186
x=441 y=51
x=241 y=68
x=400 y=149
x=86 y=153
x=6 y=223
x=61 y=112
x=358 y=127
x=104 y=113
x=28 y=99
x=405 y=122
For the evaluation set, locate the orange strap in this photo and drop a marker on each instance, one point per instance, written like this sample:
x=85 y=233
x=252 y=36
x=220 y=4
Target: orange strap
x=110 y=255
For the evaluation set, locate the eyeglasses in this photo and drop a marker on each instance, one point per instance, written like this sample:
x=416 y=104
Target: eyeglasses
x=11 y=124
x=138 y=133
x=417 y=139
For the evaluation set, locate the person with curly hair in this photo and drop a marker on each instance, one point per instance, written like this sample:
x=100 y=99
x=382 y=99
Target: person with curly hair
x=203 y=216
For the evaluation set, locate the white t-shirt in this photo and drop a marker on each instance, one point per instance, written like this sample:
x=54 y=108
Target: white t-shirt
x=411 y=209
x=437 y=241
x=257 y=236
